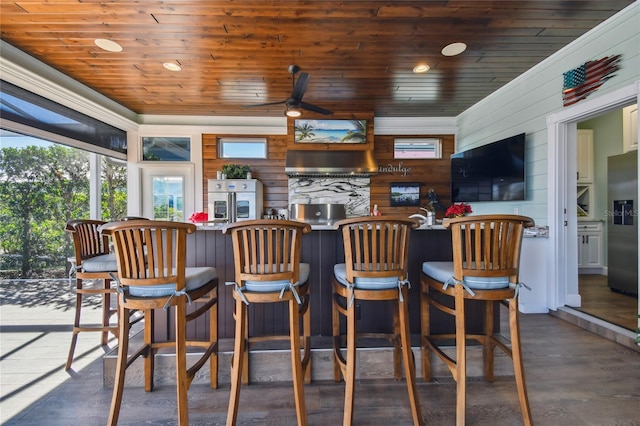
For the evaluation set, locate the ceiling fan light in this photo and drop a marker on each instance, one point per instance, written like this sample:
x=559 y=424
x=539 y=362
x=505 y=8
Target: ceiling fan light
x=293 y=112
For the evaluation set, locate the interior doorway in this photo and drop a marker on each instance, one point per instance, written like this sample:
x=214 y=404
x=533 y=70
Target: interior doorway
x=599 y=139
x=563 y=287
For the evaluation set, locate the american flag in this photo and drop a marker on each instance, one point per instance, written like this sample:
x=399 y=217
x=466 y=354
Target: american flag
x=580 y=82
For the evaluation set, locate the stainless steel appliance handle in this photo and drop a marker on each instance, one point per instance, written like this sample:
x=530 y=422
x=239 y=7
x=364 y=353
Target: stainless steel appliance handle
x=232 y=208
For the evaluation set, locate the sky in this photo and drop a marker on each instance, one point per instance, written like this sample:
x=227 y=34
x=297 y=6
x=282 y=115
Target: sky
x=15 y=140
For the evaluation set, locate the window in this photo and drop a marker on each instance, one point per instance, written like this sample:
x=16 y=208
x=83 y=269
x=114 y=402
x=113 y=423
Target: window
x=242 y=147
x=416 y=148
x=166 y=148
x=21 y=106
x=168 y=198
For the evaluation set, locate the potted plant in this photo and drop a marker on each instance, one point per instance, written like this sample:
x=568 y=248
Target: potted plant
x=236 y=171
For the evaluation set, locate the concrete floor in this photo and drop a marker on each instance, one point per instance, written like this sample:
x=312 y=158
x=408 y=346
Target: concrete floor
x=574 y=377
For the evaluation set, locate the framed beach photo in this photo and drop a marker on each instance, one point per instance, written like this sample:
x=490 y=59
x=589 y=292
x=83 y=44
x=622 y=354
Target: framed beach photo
x=330 y=131
x=405 y=194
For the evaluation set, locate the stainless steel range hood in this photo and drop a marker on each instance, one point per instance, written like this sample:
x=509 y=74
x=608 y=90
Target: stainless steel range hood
x=330 y=163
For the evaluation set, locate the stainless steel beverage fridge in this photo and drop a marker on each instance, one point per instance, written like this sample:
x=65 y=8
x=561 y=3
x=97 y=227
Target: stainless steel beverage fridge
x=622 y=222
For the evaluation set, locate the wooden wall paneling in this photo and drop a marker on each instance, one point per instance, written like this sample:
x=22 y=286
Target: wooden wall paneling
x=269 y=171
x=431 y=173
x=321 y=249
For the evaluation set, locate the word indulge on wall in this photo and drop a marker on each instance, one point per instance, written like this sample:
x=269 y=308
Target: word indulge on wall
x=390 y=168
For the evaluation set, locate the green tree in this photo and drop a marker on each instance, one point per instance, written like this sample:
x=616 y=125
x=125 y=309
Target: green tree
x=29 y=204
x=41 y=188
x=69 y=195
x=114 y=189
x=304 y=132
x=360 y=132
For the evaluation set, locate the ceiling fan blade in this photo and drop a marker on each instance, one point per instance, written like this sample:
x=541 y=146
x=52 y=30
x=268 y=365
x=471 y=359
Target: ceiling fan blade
x=265 y=104
x=315 y=108
x=300 y=86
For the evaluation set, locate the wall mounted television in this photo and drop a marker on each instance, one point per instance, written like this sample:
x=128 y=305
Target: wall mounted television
x=492 y=172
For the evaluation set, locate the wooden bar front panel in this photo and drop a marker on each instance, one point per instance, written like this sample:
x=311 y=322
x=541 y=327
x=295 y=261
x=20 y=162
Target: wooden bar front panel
x=321 y=249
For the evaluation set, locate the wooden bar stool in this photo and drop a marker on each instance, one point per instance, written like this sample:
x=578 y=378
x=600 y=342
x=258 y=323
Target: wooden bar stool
x=91 y=261
x=152 y=274
x=375 y=268
x=268 y=270
x=485 y=268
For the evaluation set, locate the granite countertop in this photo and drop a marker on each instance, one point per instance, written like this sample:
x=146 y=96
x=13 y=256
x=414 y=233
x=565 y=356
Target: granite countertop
x=421 y=228
x=536 y=231
x=314 y=227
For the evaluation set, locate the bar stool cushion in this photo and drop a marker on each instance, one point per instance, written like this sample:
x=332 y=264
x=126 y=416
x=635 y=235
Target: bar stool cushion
x=195 y=277
x=486 y=283
x=443 y=272
x=101 y=263
x=340 y=272
x=278 y=285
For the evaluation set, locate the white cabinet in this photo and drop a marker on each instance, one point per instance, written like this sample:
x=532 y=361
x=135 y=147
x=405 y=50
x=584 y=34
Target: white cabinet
x=585 y=156
x=630 y=127
x=585 y=172
x=590 y=245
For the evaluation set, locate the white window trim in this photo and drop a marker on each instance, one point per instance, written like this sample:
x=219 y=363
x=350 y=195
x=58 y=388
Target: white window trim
x=148 y=171
x=437 y=142
x=239 y=140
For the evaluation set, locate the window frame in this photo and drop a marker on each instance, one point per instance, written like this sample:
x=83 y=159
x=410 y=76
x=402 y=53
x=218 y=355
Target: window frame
x=223 y=141
x=437 y=149
x=142 y=155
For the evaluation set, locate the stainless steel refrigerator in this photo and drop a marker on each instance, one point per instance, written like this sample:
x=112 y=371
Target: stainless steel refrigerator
x=622 y=222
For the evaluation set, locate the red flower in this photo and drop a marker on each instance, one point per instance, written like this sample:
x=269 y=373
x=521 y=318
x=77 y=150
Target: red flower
x=456 y=210
x=199 y=217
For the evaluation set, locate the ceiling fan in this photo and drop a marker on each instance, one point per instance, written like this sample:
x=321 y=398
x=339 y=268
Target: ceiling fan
x=294 y=103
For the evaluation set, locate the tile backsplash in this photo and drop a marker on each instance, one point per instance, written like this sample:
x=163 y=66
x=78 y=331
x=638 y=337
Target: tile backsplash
x=354 y=193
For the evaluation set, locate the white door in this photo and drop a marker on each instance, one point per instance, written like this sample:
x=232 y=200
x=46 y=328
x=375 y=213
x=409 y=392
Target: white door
x=167 y=193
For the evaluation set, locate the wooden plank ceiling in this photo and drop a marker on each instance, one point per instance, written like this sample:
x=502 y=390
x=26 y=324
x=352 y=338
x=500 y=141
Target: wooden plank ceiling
x=359 y=54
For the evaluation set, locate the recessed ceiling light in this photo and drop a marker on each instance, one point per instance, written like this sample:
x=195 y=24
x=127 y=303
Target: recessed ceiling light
x=454 y=49
x=420 y=68
x=171 y=66
x=108 y=45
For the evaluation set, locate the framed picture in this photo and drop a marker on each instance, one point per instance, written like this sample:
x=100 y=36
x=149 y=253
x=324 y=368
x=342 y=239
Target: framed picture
x=405 y=194
x=330 y=131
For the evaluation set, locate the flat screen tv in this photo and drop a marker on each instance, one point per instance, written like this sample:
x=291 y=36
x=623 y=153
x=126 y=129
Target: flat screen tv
x=492 y=172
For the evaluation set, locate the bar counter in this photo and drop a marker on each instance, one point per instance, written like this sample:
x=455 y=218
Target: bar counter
x=322 y=248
